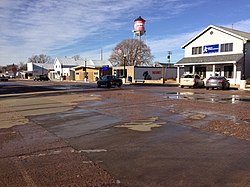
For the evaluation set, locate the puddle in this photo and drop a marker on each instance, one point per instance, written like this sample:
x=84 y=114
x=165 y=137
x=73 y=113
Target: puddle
x=142 y=125
x=70 y=87
x=211 y=98
x=197 y=116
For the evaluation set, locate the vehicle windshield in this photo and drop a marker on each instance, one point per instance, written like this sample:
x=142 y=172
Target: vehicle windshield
x=107 y=77
x=218 y=78
x=188 y=76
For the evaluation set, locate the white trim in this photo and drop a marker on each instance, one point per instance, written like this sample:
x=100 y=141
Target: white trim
x=234 y=73
x=213 y=72
x=205 y=63
x=206 y=29
x=178 y=74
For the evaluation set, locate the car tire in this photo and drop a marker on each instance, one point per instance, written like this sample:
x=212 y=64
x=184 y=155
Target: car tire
x=98 y=85
x=207 y=88
x=119 y=85
x=182 y=86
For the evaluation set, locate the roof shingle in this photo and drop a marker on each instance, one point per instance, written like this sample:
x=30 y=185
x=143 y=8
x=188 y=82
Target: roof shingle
x=245 y=35
x=207 y=59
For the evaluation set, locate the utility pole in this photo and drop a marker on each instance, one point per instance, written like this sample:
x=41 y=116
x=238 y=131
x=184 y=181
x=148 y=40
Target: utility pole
x=101 y=54
x=124 y=66
x=169 y=55
x=85 y=70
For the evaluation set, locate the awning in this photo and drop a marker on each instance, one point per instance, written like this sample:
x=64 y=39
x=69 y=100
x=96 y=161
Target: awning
x=218 y=59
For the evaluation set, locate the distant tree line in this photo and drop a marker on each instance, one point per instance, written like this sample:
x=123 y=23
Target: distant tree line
x=40 y=59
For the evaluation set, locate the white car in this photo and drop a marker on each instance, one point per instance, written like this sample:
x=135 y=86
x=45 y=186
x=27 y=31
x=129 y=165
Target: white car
x=191 y=81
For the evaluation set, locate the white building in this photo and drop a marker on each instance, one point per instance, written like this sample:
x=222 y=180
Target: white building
x=34 y=69
x=64 y=67
x=149 y=74
x=217 y=51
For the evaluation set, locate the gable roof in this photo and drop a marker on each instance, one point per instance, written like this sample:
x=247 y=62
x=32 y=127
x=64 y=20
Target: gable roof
x=70 y=61
x=48 y=66
x=100 y=63
x=82 y=63
x=245 y=35
x=239 y=34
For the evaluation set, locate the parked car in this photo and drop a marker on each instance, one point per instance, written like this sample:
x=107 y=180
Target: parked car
x=191 y=80
x=108 y=81
x=41 y=78
x=3 y=78
x=219 y=82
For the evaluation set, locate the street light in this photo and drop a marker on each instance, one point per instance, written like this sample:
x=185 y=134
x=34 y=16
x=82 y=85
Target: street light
x=124 y=64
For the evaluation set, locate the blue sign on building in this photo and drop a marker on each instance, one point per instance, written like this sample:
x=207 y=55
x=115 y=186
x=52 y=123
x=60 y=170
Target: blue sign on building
x=105 y=68
x=211 y=48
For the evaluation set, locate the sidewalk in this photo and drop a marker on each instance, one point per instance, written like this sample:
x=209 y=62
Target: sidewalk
x=31 y=156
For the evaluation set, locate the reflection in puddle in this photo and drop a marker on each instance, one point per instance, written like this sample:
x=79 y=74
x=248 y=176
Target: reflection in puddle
x=212 y=98
x=198 y=116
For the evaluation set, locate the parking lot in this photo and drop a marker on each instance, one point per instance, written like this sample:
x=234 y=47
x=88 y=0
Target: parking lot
x=75 y=134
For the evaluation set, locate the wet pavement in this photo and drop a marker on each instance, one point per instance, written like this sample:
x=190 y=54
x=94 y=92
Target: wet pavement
x=31 y=156
x=212 y=98
x=148 y=142
x=134 y=136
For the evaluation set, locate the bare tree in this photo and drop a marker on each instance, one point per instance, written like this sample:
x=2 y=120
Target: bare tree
x=76 y=57
x=22 y=66
x=40 y=59
x=135 y=51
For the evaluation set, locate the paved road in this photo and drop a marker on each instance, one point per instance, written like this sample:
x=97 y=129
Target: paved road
x=134 y=136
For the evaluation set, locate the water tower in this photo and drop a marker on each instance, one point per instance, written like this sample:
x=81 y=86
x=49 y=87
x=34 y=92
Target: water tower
x=139 y=30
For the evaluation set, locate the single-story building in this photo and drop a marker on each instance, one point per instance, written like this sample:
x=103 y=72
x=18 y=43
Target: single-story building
x=91 y=73
x=152 y=74
x=34 y=69
x=218 y=51
x=92 y=70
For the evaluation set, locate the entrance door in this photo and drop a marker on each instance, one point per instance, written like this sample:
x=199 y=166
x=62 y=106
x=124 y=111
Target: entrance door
x=201 y=71
x=217 y=72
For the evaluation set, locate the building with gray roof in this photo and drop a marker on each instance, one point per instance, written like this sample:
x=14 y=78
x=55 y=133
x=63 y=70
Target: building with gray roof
x=218 y=51
x=65 y=67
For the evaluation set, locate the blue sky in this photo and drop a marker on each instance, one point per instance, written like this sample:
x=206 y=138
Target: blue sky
x=72 y=27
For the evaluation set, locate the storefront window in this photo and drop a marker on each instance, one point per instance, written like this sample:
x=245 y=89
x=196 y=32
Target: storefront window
x=120 y=73
x=191 y=69
x=228 y=71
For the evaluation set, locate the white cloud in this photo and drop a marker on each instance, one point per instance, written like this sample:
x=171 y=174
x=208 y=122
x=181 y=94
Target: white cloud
x=243 y=25
x=59 y=28
x=28 y=27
